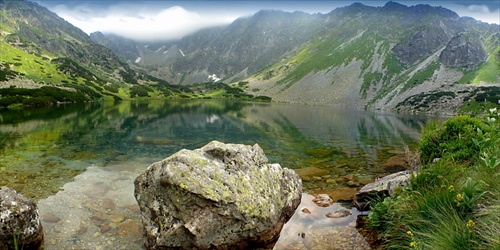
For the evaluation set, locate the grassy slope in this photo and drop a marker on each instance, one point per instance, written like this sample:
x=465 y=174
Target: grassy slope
x=451 y=204
x=44 y=69
x=36 y=68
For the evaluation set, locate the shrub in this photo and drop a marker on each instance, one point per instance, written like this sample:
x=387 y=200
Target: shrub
x=39 y=101
x=113 y=88
x=456 y=138
x=138 y=91
x=9 y=100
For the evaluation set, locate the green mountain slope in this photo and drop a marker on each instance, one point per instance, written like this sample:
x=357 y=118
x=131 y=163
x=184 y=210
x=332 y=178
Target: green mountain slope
x=46 y=60
x=381 y=57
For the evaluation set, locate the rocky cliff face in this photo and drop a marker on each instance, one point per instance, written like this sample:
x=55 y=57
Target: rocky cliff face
x=245 y=46
x=464 y=51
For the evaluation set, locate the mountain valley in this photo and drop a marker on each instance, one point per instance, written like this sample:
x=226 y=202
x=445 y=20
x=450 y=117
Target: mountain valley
x=407 y=58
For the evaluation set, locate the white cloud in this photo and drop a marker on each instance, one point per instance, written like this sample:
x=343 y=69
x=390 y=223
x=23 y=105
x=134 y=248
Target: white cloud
x=479 y=12
x=158 y=20
x=142 y=24
x=479 y=9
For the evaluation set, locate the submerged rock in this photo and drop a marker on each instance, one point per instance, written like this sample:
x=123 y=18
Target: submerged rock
x=308 y=174
x=221 y=196
x=322 y=200
x=382 y=187
x=339 y=214
x=20 y=224
x=339 y=194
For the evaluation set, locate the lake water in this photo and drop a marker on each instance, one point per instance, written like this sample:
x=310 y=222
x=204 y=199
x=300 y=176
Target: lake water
x=79 y=161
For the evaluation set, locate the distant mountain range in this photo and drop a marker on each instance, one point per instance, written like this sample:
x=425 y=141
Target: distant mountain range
x=392 y=57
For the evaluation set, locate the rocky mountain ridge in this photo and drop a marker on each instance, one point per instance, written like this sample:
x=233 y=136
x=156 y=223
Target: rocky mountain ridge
x=357 y=55
x=385 y=57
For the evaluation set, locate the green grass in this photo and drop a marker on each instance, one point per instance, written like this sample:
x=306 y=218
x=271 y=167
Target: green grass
x=477 y=107
x=454 y=202
x=330 y=52
x=422 y=75
x=488 y=72
x=32 y=66
x=370 y=78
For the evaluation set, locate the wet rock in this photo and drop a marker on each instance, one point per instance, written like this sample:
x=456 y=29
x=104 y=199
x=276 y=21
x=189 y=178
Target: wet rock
x=220 y=196
x=134 y=208
x=349 y=177
x=331 y=238
x=82 y=229
x=100 y=216
x=105 y=228
x=352 y=184
x=108 y=204
x=339 y=194
x=51 y=218
x=395 y=164
x=130 y=227
x=307 y=174
x=117 y=218
x=320 y=153
x=99 y=190
x=19 y=219
x=322 y=200
x=380 y=188
x=339 y=214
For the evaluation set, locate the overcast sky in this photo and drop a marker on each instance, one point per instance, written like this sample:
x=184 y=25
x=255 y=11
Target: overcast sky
x=166 y=20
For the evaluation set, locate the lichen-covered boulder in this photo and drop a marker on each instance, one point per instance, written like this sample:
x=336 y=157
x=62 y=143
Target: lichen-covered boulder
x=20 y=226
x=382 y=187
x=222 y=196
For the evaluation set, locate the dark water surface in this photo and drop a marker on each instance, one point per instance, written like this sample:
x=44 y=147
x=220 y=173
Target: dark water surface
x=79 y=161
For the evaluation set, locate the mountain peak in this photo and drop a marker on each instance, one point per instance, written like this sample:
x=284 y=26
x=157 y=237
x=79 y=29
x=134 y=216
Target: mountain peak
x=393 y=6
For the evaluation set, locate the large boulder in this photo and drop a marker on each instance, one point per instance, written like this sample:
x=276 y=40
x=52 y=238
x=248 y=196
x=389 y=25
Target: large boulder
x=222 y=196
x=382 y=187
x=20 y=226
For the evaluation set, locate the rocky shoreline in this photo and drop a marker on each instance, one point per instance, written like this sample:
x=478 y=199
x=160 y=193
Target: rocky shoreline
x=92 y=217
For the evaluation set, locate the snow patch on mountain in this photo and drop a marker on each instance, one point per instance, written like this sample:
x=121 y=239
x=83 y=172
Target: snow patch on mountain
x=214 y=78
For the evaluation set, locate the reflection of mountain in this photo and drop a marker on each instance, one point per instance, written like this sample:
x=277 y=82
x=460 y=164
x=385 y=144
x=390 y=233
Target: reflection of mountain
x=41 y=149
x=51 y=150
x=340 y=124
x=351 y=131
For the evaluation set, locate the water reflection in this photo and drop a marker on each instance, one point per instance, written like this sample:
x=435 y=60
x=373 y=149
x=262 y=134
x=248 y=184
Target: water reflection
x=80 y=161
x=43 y=148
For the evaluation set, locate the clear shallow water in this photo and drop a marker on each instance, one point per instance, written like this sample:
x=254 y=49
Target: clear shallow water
x=79 y=161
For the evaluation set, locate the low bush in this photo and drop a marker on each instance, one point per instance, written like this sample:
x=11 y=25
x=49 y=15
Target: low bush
x=452 y=203
x=457 y=138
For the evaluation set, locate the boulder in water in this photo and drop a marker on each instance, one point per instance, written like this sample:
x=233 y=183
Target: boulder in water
x=222 y=196
x=20 y=225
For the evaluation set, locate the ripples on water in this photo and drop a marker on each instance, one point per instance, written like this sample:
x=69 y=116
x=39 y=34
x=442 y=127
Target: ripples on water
x=79 y=161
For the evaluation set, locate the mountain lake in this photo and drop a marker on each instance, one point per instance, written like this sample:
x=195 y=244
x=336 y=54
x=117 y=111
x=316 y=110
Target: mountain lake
x=79 y=161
